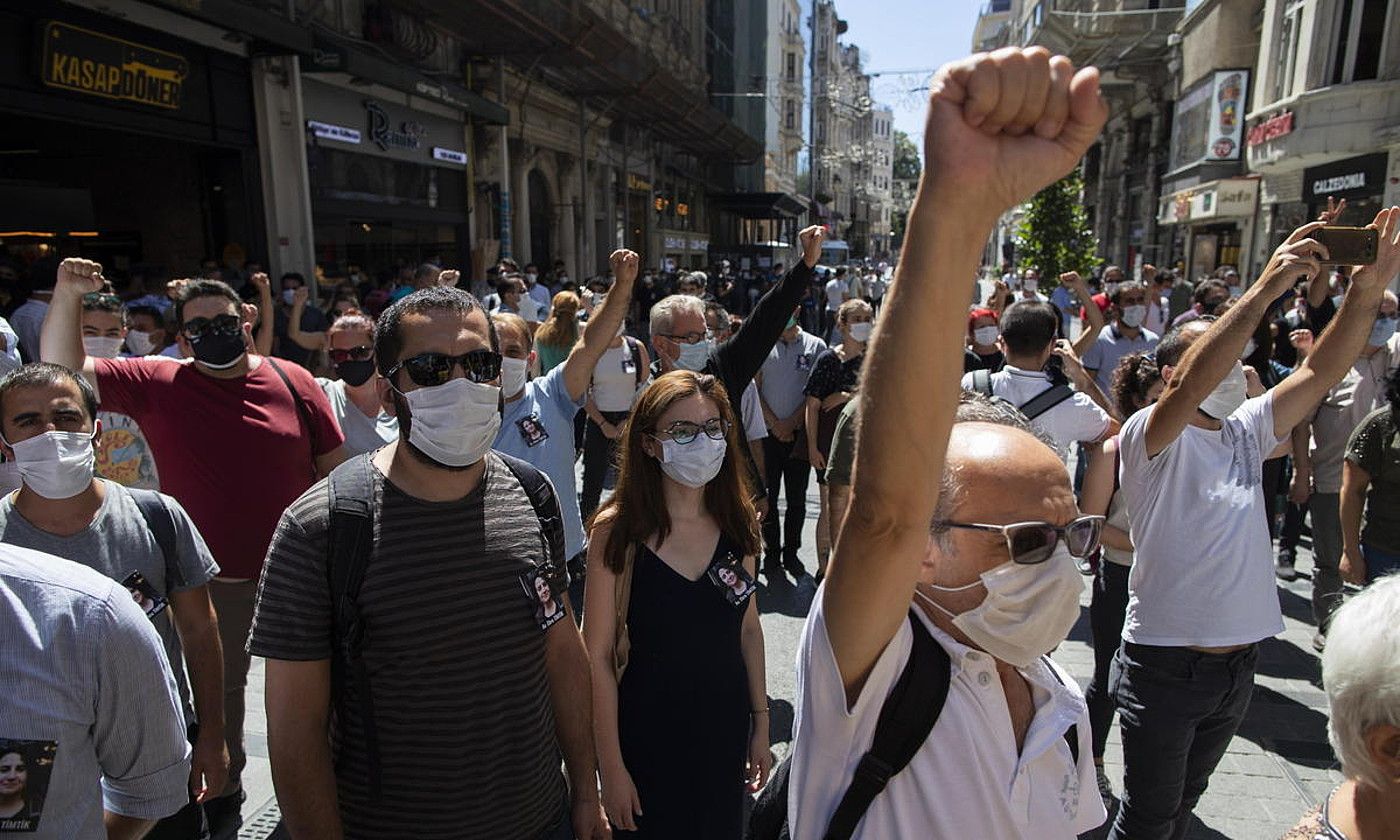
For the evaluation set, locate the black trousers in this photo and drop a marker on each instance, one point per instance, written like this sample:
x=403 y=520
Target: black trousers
x=1107 y=612
x=781 y=468
x=598 y=455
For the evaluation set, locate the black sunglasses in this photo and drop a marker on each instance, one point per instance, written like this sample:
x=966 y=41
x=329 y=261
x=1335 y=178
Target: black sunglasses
x=430 y=369
x=1034 y=542
x=359 y=354
x=197 y=328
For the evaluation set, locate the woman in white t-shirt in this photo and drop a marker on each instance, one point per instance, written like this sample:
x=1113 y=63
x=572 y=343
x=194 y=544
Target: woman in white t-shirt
x=1136 y=384
x=617 y=378
x=353 y=396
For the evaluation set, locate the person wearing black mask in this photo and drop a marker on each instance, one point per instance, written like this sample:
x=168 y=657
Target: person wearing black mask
x=353 y=394
x=236 y=438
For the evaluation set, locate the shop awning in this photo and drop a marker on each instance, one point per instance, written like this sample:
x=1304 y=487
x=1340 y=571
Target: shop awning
x=45 y=210
x=1225 y=198
x=768 y=205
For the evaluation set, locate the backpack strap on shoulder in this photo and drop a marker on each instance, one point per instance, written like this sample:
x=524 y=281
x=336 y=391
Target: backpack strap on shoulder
x=906 y=719
x=1046 y=400
x=350 y=541
x=161 y=523
x=543 y=499
x=982 y=381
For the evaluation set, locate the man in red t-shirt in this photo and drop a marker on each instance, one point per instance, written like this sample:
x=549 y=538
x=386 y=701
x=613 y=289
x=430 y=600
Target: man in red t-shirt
x=236 y=438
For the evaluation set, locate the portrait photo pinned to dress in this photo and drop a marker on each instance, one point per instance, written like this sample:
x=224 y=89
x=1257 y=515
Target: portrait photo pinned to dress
x=151 y=602
x=731 y=578
x=25 y=770
x=548 y=608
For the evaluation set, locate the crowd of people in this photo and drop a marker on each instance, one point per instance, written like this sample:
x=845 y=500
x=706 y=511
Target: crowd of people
x=378 y=493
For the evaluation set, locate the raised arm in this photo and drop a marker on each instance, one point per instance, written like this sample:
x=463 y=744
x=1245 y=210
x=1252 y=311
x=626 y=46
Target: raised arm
x=743 y=354
x=304 y=340
x=1337 y=349
x=1000 y=127
x=267 y=316
x=602 y=325
x=61 y=341
x=1093 y=315
x=1214 y=354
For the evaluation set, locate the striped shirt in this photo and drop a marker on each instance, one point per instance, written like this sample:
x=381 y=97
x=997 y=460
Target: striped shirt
x=456 y=660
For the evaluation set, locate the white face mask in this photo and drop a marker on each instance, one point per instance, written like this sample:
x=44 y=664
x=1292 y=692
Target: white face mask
x=56 y=465
x=1228 y=396
x=139 y=342
x=693 y=464
x=1028 y=609
x=102 y=347
x=454 y=423
x=531 y=278
x=861 y=332
x=513 y=375
x=529 y=308
x=1031 y=285
x=1133 y=315
x=695 y=356
x=986 y=335
x=288 y=296
x=1381 y=331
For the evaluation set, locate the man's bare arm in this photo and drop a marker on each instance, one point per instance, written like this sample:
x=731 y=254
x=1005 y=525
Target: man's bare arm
x=61 y=340
x=198 y=627
x=298 y=702
x=1000 y=127
x=602 y=326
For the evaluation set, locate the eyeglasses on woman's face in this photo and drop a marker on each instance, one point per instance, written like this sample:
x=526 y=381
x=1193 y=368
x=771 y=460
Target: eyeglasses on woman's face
x=684 y=431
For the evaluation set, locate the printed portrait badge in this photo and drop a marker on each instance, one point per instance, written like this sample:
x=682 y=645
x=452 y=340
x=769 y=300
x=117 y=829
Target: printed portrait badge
x=731 y=578
x=146 y=597
x=532 y=430
x=629 y=365
x=25 y=769
x=804 y=361
x=548 y=608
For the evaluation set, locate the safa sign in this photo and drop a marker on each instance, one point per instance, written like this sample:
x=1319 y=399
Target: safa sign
x=89 y=62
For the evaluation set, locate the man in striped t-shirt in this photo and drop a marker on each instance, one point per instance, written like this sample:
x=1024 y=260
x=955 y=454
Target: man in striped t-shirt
x=479 y=676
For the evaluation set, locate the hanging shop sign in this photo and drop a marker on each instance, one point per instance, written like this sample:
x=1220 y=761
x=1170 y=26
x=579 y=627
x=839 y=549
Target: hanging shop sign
x=1230 y=197
x=1351 y=178
x=1279 y=125
x=381 y=128
x=1227 y=115
x=92 y=63
x=326 y=131
x=449 y=155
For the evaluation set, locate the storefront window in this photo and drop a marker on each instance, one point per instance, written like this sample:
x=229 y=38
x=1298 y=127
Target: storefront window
x=345 y=176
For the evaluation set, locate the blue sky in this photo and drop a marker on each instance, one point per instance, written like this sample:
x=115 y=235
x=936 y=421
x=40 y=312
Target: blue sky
x=905 y=35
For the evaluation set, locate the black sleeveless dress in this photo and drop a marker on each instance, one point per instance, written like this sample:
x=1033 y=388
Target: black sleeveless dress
x=683 y=705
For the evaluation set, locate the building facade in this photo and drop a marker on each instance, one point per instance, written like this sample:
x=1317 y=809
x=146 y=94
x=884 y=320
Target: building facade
x=1324 y=117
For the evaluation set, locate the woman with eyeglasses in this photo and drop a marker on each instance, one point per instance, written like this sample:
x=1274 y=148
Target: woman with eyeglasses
x=1136 y=384
x=353 y=394
x=679 y=703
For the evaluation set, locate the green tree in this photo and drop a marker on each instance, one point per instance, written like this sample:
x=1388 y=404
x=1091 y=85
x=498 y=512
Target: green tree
x=1055 y=236
x=906 y=168
x=906 y=157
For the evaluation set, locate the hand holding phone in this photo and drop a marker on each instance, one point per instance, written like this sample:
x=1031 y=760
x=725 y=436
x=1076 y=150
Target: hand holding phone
x=1347 y=245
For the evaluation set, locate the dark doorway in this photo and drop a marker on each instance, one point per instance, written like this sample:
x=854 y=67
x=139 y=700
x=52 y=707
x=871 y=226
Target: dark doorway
x=541 y=220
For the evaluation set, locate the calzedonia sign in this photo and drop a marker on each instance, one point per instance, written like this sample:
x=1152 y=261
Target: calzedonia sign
x=91 y=63
x=1351 y=178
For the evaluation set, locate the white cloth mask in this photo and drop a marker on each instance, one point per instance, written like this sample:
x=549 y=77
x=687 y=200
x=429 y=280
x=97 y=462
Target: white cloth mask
x=289 y=296
x=861 y=332
x=454 y=423
x=1133 y=315
x=1029 y=609
x=140 y=343
x=1381 y=331
x=513 y=372
x=986 y=335
x=693 y=464
x=56 y=465
x=1228 y=396
x=695 y=356
x=102 y=347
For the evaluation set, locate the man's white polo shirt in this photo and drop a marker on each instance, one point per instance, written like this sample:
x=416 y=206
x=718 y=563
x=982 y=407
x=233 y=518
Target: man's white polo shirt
x=967 y=781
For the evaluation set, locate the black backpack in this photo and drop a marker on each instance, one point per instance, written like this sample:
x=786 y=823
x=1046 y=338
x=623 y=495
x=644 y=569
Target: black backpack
x=348 y=548
x=1036 y=405
x=161 y=523
x=906 y=719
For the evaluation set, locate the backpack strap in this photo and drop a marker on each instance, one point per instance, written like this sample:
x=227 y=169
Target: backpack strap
x=1046 y=400
x=540 y=490
x=982 y=381
x=634 y=349
x=303 y=413
x=161 y=522
x=348 y=547
x=906 y=719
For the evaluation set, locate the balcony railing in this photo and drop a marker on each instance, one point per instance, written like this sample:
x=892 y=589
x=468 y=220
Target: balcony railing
x=1102 y=32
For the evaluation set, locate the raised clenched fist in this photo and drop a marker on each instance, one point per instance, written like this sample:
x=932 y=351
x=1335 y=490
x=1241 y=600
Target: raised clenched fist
x=1005 y=124
x=80 y=275
x=625 y=264
x=811 y=239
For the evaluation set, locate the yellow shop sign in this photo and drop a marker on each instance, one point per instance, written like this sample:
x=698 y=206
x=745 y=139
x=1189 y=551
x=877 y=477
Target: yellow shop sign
x=89 y=62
